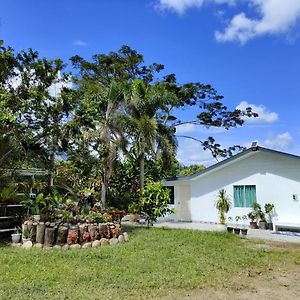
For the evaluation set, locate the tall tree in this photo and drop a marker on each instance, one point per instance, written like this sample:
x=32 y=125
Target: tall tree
x=102 y=83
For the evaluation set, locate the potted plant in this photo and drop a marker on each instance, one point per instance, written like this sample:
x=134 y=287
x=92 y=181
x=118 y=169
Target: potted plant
x=269 y=209
x=262 y=224
x=223 y=205
x=237 y=229
x=134 y=209
x=27 y=233
x=230 y=228
x=16 y=236
x=252 y=215
x=244 y=230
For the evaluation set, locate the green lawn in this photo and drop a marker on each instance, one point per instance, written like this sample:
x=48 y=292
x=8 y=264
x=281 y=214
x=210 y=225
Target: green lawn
x=153 y=263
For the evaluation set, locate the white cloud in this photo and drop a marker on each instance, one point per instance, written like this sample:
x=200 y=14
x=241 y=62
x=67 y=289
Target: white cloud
x=191 y=152
x=180 y=6
x=264 y=115
x=79 y=43
x=280 y=142
x=276 y=17
x=185 y=128
x=200 y=129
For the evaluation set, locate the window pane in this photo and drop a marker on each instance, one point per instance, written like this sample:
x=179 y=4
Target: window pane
x=250 y=195
x=238 y=195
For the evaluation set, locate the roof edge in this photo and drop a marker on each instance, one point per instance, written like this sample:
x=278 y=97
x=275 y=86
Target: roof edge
x=226 y=161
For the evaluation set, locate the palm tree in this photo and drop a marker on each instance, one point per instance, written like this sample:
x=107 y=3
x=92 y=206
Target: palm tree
x=147 y=133
x=103 y=132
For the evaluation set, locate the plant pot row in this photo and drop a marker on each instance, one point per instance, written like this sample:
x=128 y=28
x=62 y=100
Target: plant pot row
x=236 y=230
x=261 y=225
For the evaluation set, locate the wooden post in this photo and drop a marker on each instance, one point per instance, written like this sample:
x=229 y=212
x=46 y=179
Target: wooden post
x=62 y=234
x=49 y=236
x=40 y=233
x=33 y=232
x=94 y=234
x=82 y=229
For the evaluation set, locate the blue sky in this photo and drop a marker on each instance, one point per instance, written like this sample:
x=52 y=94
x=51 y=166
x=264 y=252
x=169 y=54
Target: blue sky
x=247 y=49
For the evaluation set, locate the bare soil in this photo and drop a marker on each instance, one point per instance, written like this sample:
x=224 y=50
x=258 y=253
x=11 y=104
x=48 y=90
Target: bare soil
x=281 y=282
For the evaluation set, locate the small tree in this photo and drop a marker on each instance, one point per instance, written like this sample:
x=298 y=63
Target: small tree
x=223 y=204
x=269 y=207
x=154 y=202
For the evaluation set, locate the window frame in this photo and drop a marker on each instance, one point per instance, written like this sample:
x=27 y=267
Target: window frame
x=244 y=199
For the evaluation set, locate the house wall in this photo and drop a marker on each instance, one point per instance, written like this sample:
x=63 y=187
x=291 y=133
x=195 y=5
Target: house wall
x=277 y=178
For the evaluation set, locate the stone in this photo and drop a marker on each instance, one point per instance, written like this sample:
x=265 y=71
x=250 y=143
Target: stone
x=104 y=242
x=96 y=244
x=126 y=237
x=27 y=245
x=57 y=247
x=65 y=247
x=86 y=245
x=47 y=247
x=38 y=246
x=113 y=241
x=121 y=238
x=18 y=245
x=75 y=246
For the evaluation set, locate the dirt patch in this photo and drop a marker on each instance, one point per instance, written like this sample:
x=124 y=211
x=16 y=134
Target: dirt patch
x=276 y=283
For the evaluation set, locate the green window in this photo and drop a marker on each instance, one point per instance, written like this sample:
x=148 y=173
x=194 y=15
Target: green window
x=244 y=195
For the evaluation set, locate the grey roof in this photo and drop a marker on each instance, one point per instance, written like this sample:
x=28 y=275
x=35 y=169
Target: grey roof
x=231 y=159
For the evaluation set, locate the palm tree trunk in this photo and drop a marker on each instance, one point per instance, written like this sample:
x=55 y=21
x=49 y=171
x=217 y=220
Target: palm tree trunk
x=103 y=188
x=142 y=170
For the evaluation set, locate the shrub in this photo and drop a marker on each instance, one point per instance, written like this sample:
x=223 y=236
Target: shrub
x=154 y=201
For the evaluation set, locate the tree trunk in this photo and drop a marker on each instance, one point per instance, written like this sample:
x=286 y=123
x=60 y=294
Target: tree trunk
x=104 y=187
x=40 y=232
x=142 y=170
x=49 y=236
x=51 y=168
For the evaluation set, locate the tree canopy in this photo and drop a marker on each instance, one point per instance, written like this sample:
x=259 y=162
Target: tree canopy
x=106 y=125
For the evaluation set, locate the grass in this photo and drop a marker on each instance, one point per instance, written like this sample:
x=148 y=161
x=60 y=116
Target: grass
x=153 y=263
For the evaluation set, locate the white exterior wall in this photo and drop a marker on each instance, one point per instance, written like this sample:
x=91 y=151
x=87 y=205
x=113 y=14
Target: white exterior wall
x=276 y=177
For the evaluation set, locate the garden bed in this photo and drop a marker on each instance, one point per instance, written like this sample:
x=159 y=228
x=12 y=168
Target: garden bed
x=70 y=235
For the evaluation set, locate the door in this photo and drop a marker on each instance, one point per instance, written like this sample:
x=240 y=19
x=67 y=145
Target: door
x=183 y=202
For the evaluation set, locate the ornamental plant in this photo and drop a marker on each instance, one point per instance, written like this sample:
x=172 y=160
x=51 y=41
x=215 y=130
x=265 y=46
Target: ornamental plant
x=154 y=203
x=223 y=204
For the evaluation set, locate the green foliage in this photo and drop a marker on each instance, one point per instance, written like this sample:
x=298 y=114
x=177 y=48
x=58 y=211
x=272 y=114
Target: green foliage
x=223 y=204
x=269 y=207
x=190 y=170
x=154 y=202
x=27 y=233
x=117 y=108
x=134 y=208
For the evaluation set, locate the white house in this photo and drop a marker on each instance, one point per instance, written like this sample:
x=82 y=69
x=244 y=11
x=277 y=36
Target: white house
x=260 y=174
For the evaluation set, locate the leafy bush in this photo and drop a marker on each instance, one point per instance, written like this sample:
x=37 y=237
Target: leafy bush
x=133 y=208
x=154 y=201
